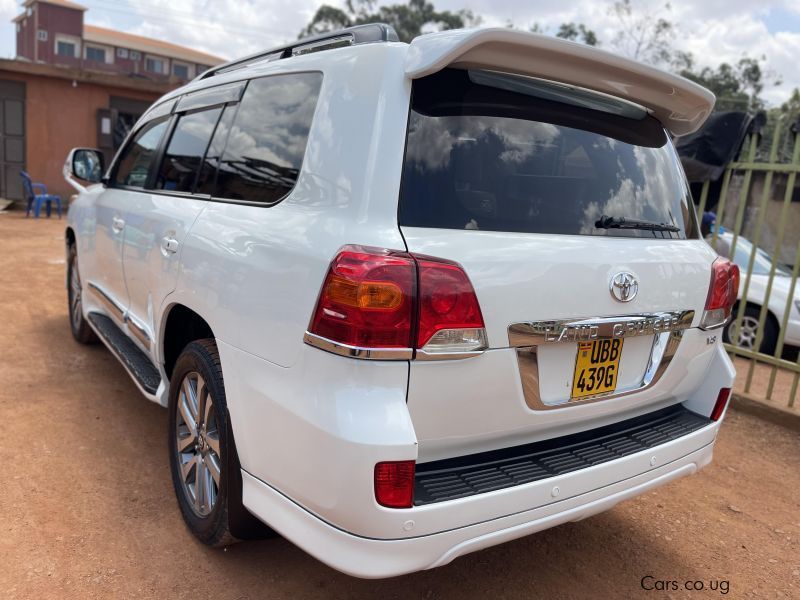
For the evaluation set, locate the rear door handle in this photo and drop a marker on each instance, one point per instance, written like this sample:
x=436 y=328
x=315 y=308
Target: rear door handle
x=117 y=224
x=169 y=244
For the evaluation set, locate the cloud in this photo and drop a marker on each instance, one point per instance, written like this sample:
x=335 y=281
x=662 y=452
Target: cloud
x=713 y=30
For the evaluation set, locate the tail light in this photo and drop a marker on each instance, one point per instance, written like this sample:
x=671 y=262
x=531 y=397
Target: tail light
x=719 y=406
x=722 y=294
x=394 y=484
x=385 y=304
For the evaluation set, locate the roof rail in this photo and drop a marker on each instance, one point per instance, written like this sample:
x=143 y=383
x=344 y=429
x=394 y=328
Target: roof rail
x=350 y=36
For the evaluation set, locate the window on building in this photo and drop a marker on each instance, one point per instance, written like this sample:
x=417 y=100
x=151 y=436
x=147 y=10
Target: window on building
x=154 y=65
x=137 y=157
x=122 y=53
x=135 y=55
x=267 y=142
x=96 y=54
x=64 y=48
x=41 y=35
x=186 y=150
x=180 y=70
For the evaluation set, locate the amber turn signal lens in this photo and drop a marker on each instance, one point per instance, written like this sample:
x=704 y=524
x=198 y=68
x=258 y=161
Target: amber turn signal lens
x=375 y=295
x=379 y=295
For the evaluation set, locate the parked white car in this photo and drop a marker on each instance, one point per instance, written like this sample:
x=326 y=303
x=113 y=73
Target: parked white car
x=407 y=301
x=777 y=303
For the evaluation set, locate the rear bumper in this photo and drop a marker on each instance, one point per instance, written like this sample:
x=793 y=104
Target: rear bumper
x=376 y=558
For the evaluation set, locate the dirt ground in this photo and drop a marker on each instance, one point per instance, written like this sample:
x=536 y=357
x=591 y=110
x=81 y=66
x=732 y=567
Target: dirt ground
x=87 y=507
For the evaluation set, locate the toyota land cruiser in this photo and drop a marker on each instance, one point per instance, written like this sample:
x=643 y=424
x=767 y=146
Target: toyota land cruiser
x=406 y=301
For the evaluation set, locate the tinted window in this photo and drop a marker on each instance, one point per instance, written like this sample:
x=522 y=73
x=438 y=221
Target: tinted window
x=135 y=161
x=267 y=142
x=206 y=182
x=496 y=152
x=186 y=149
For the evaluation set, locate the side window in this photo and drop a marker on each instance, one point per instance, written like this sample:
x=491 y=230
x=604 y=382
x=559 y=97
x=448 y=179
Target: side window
x=267 y=142
x=134 y=163
x=186 y=149
x=206 y=182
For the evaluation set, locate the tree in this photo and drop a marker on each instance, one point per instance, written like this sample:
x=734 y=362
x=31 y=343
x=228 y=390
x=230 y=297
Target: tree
x=577 y=32
x=645 y=36
x=737 y=86
x=409 y=20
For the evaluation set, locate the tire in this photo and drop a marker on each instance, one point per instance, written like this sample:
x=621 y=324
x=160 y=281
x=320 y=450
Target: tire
x=217 y=518
x=749 y=330
x=80 y=328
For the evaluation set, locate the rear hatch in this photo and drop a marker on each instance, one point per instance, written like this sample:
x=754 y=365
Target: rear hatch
x=561 y=205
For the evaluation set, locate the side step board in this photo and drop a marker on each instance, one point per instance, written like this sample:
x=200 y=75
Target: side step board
x=135 y=361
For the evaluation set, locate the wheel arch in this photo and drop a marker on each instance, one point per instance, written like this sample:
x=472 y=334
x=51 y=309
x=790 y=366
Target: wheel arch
x=182 y=325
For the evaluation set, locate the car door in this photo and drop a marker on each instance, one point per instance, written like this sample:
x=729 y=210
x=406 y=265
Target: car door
x=106 y=278
x=159 y=219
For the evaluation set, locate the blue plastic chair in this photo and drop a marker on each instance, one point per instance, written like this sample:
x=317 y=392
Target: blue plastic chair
x=35 y=200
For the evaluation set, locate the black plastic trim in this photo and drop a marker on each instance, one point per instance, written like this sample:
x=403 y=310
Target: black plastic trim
x=361 y=34
x=448 y=479
x=136 y=362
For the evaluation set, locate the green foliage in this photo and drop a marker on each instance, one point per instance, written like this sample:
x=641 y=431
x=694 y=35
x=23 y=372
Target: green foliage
x=737 y=86
x=577 y=32
x=409 y=20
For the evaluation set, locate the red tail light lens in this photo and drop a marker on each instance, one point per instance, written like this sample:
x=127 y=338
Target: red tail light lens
x=719 y=406
x=722 y=293
x=394 y=484
x=447 y=305
x=367 y=299
x=374 y=298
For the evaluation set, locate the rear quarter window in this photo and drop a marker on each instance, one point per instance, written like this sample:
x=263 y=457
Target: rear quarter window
x=267 y=141
x=496 y=152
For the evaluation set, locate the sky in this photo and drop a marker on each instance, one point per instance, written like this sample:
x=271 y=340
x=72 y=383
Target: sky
x=714 y=31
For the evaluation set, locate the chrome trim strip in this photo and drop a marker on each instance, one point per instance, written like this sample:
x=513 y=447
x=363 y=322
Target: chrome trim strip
x=138 y=330
x=355 y=352
x=667 y=329
x=423 y=355
x=108 y=301
x=533 y=333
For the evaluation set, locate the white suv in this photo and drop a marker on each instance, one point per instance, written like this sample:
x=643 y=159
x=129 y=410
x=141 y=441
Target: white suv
x=406 y=301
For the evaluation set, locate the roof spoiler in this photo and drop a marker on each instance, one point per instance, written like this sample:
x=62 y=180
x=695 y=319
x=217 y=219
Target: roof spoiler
x=679 y=104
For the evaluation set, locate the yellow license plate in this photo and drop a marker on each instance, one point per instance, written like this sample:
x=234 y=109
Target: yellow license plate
x=596 y=367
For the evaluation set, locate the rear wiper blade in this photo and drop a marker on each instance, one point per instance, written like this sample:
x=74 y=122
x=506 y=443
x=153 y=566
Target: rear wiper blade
x=606 y=222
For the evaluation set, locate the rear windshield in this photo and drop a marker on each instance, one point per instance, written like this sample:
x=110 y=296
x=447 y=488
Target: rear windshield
x=496 y=152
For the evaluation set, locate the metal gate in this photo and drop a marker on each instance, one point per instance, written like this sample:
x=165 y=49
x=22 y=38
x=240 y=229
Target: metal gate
x=768 y=369
x=12 y=138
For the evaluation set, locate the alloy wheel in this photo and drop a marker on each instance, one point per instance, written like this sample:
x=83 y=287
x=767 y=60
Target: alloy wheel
x=745 y=335
x=75 y=308
x=197 y=444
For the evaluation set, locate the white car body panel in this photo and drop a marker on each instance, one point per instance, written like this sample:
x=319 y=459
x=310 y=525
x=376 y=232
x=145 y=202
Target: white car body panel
x=151 y=270
x=310 y=425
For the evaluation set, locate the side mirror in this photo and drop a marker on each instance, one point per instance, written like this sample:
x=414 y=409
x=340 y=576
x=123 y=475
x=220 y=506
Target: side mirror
x=84 y=164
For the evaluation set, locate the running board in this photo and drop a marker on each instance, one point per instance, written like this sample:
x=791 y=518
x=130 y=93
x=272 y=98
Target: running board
x=133 y=359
